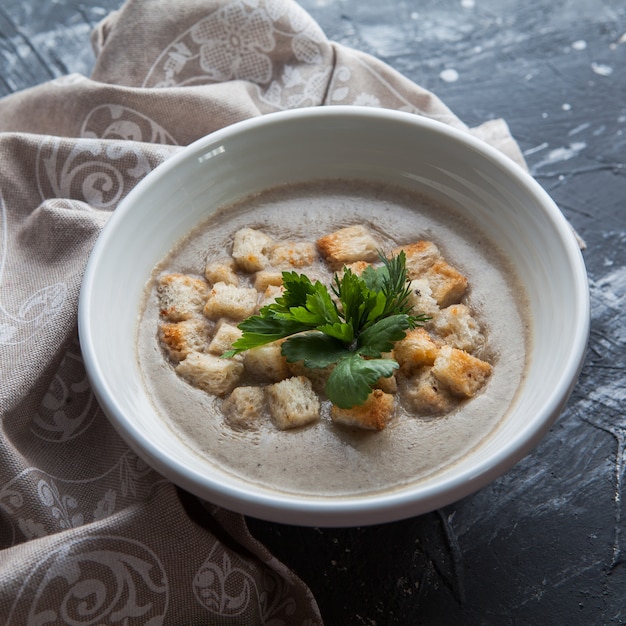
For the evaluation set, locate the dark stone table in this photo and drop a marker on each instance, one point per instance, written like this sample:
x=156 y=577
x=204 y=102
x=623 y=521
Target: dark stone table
x=544 y=543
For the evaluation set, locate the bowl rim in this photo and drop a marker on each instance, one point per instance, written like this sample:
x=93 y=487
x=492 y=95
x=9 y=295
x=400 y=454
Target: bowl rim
x=349 y=510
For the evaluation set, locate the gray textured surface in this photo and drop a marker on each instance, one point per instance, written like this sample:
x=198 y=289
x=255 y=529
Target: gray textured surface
x=545 y=544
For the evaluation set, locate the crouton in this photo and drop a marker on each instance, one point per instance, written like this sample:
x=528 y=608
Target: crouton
x=373 y=414
x=210 y=373
x=270 y=294
x=243 y=408
x=425 y=395
x=293 y=403
x=181 y=338
x=236 y=303
x=456 y=326
x=448 y=285
x=221 y=272
x=421 y=298
x=266 y=363
x=462 y=373
x=388 y=384
x=416 y=350
x=346 y=245
x=293 y=254
x=420 y=255
x=225 y=335
x=264 y=278
x=250 y=249
x=181 y=296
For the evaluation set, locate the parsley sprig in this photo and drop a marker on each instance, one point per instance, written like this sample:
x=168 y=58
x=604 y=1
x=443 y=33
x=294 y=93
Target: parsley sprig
x=351 y=330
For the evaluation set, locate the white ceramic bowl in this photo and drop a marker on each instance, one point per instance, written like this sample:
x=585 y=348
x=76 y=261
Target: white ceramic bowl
x=352 y=142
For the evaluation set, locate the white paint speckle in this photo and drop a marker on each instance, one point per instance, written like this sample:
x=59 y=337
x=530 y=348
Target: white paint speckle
x=449 y=76
x=414 y=15
x=579 y=129
x=468 y=4
x=539 y=148
x=602 y=69
x=564 y=153
x=566 y=107
x=544 y=115
x=581 y=44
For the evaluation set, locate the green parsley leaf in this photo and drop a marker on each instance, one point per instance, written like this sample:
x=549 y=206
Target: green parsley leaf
x=352 y=380
x=315 y=349
x=381 y=336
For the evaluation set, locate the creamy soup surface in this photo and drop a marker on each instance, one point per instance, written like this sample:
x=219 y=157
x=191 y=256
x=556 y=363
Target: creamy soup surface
x=322 y=459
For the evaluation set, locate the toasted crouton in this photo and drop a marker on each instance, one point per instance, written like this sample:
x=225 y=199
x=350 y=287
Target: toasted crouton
x=221 y=272
x=462 y=373
x=181 y=338
x=346 y=245
x=458 y=328
x=425 y=395
x=421 y=298
x=388 y=384
x=210 y=373
x=181 y=296
x=243 y=408
x=270 y=294
x=293 y=403
x=448 y=285
x=250 y=249
x=293 y=254
x=266 y=363
x=225 y=335
x=420 y=255
x=415 y=350
x=374 y=414
x=264 y=278
x=229 y=301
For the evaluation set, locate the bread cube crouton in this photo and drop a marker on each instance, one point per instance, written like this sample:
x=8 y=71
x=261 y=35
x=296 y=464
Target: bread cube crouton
x=270 y=294
x=181 y=296
x=293 y=403
x=456 y=326
x=181 y=338
x=448 y=285
x=425 y=395
x=421 y=298
x=236 y=303
x=266 y=363
x=416 y=350
x=374 y=414
x=266 y=278
x=210 y=373
x=243 y=408
x=357 y=268
x=221 y=272
x=420 y=255
x=462 y=373
x=225 y=335
x=388 y=384
x=347 y=245
x=250 y=249
x=293 y=254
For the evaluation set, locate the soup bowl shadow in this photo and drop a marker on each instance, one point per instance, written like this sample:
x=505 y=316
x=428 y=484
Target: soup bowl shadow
x=359 y=143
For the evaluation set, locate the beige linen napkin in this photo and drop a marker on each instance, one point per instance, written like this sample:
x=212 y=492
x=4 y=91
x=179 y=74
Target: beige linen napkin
x=88 y=532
